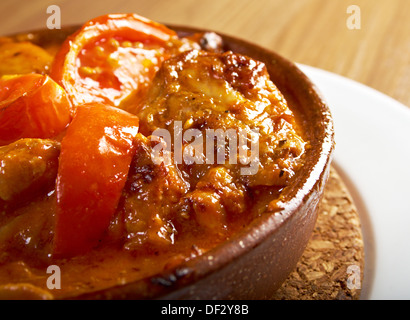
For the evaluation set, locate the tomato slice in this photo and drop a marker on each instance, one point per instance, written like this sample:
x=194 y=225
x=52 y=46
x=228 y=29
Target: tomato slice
x=32 y=106
x=111 y=59
x=96 y=153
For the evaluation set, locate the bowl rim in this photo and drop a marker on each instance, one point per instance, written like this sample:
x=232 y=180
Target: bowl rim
x=191 y=271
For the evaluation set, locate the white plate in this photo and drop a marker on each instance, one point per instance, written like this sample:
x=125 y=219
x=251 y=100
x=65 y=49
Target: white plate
x=373 y=154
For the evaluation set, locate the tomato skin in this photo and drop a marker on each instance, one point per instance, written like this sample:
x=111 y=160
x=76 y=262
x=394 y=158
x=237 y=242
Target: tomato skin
x=32 y=106
x=126 y=79
x=96 y=153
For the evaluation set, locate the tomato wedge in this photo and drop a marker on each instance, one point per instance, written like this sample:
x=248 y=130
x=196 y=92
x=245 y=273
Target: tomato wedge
x=111 y=59
x=32 y=106
x=96 y=153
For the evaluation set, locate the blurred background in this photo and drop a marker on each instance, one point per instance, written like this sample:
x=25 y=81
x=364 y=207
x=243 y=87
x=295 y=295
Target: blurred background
x=312 y=32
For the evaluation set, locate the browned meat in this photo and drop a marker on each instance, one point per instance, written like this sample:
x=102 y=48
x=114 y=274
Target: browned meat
x=28 y=167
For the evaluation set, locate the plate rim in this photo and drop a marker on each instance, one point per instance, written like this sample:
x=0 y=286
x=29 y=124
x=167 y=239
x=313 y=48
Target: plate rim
x=373 y=252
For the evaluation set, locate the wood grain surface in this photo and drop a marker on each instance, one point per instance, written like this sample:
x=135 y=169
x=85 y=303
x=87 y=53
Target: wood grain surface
x=312 y=32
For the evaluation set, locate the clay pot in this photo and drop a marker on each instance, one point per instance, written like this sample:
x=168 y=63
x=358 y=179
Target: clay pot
x=255 y=262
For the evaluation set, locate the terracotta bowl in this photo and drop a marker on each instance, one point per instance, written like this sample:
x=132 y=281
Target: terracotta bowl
x=254 y=263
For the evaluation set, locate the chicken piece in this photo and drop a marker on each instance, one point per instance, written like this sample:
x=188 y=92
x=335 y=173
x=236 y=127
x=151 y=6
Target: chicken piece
x=145 y=211
x=228 y=91
x=28 y=233
x=23 y=57
x=28 y=167
x=217 y=199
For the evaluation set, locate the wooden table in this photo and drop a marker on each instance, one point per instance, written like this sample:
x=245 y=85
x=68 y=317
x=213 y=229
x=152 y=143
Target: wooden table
x=312 y=32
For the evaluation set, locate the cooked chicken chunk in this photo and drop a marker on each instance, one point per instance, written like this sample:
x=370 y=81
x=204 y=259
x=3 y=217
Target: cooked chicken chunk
x=227 y=92
x=28 y=167
x=146 y=209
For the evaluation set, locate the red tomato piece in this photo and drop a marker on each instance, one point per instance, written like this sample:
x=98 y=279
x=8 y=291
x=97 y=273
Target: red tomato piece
x=111 y=59
x=96 y=153
x=32 y=106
